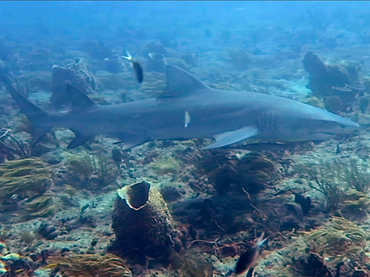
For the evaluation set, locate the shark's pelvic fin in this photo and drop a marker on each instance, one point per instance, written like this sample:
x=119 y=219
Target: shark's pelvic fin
x=78 y=140
x=232 y=137
x=131 y=140
x=79 y=100
x=181 y=84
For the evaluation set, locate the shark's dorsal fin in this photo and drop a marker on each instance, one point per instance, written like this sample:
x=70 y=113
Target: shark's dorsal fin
x=79 y=100
x=181 y=83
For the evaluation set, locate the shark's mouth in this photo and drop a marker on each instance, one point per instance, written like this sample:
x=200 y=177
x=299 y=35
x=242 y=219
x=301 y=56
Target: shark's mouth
x=328 y=133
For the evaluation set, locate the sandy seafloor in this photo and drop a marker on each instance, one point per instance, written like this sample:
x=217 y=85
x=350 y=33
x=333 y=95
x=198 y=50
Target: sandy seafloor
x=275 y=69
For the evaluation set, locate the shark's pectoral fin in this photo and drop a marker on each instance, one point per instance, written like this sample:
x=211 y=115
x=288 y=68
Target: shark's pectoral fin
x=78 y=140
x=131 y=140
x=38 y=133
x=232 y=137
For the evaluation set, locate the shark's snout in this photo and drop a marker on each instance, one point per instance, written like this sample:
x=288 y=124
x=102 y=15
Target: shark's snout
x=348 y=124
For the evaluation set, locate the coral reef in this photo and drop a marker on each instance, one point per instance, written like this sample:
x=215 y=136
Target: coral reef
x=117 y=81
x=42 y=206
x=331 y=80
x=155 y=62
x=93 y=172
x=16 y=265
x=143 y=225
x=206 y=207
x=191 y=264
x=78 y=73
x=47 y=231
x=114 y=64
x=337 y=239
x=356 y=204
x=190 y=58
x=37 y=80
x=81 y=164
x=251 y=173
x=165 y=164
x=153 y=47
x=239 y=59
x=12 y=147
x=337 y=248
x=96 y=49
x=89 y=265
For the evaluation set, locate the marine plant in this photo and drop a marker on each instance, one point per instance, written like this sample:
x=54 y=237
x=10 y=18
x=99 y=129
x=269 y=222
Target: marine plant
x=356 y=175
x=337 y=239
x=98 y=170
x=105 y=170
x=191 y=264
x=332 y=192
x=165 y=164
x=333 y=178
x=89 y=265
x=356 y=203
x=26 y=177
x=80 y=164
x=12 y=147
x=42 y=206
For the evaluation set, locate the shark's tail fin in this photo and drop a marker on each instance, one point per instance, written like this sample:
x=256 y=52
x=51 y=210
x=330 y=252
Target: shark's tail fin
x=34 y=113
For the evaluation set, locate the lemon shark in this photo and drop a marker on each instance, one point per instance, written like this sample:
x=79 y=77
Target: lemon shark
x=188 y=109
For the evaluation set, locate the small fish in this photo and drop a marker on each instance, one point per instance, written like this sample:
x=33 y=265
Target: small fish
x=249 y=258
x=357 y=87
x=115 y=57
x=343 y=89
x=78 y=60
x=187 y=119
x=156 y=56
x=138 y=70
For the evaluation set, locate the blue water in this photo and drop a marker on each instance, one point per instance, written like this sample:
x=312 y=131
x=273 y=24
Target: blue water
x=256 y=46
x=37 y=20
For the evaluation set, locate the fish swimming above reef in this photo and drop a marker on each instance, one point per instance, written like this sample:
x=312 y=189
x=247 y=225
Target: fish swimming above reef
x=228 y=116
x=248 y=259
x=138 y=69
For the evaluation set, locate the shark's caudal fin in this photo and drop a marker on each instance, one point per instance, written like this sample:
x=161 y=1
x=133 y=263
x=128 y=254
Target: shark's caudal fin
x=181 y=83
x=34 y=113
x=79 y=102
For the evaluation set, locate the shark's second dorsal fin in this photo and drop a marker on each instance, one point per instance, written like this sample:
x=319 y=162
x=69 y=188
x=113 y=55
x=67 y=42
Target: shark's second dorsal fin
x=181 y=83
x=79 y=100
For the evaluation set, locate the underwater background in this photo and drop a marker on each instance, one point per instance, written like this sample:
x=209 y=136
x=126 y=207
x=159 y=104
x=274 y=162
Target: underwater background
x=169 y=208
